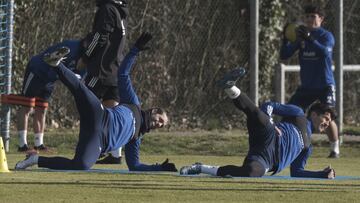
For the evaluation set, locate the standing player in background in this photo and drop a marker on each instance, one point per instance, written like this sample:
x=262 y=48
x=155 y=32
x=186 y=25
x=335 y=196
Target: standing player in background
x=272 y=146
x=38 y=83
x=103 y=55
x=315 y=46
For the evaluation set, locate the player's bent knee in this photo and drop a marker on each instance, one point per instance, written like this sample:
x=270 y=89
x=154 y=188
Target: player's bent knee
x=81 y=165
x=247 y=170
x=255 y=169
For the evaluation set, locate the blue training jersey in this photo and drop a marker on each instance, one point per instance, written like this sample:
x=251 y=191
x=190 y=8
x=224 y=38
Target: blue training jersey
x=289 y=142
x=315 y=58
x=45 y=71
x=291 y=150
x=121 y=127
x=297 y=167
x=121 y=120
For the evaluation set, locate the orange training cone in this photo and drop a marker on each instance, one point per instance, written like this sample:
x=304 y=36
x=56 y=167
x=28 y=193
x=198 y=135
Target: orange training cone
x=3 y=161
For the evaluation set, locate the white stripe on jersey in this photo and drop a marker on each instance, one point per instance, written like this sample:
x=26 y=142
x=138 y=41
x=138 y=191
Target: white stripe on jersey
x=93 y=44
x=123 y=28
x=93 y=82
x=28 y=80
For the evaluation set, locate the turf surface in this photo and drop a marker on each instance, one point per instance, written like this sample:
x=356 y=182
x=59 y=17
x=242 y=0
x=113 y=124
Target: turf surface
x=38 y=185
x=47 y=186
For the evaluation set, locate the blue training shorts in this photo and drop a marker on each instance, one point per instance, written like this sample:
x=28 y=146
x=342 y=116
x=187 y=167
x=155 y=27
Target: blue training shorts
x=305 y=97
x=34 y=86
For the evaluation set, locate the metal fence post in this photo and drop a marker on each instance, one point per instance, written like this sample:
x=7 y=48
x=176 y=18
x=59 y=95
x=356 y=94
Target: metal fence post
x=280 y=83
x=5 y=125
x=339 y=63
x=254 y=50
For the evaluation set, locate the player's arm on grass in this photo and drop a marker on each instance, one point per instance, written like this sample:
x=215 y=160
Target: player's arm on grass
x=132 y=156
x=297 y=167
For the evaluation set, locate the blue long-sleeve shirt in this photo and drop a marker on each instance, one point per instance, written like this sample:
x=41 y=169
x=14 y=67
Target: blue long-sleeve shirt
x=46 y=72
x=291 y=150
x=122 y=121
x=315 y=58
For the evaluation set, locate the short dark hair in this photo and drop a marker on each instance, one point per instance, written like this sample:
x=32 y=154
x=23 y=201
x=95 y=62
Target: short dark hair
x=158 y=110
x=320 y=109
x=314 y=9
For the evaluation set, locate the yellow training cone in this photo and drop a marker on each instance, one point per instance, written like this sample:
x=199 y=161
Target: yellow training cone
x=3 y=161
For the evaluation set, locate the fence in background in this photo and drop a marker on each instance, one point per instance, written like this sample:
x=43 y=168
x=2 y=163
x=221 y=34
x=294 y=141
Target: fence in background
x=6 y=41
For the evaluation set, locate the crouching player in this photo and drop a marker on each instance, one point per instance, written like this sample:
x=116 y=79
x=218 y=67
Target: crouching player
x=105 y=129
x=272 y=146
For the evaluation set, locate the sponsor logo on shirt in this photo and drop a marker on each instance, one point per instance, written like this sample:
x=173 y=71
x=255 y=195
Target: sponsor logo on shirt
x=309 y=54
x=301 y=141
x=269 y=111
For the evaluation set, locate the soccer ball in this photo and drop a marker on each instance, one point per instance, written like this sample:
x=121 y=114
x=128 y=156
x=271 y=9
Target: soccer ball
x=290 y=32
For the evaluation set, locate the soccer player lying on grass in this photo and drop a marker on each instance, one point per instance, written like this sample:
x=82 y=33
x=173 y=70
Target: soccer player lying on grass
x=105 y=129
x=272 y=146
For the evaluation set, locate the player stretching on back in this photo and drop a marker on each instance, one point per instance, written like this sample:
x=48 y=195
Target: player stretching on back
x=273 y=146
x=105 y=129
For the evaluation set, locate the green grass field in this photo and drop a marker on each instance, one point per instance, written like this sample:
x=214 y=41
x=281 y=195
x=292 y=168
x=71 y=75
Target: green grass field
x=217 y=148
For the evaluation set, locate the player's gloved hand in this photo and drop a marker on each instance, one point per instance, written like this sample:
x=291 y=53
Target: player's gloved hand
x=304 y=33
x=141 y=42
x=166 y=166
x=330 y=172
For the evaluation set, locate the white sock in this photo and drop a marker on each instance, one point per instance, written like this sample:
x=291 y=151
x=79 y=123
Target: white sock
x=211 y=170
x=233 y=92
x=35 y=159
x=22 y=138
x=31 y=159
x=335 y=146
x=38 y=139
x=116 y=153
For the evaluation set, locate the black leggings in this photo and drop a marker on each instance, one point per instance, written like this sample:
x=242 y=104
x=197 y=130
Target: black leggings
x=248 y=169
x=91 y=126
x=255 y=116
x=258 y=125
